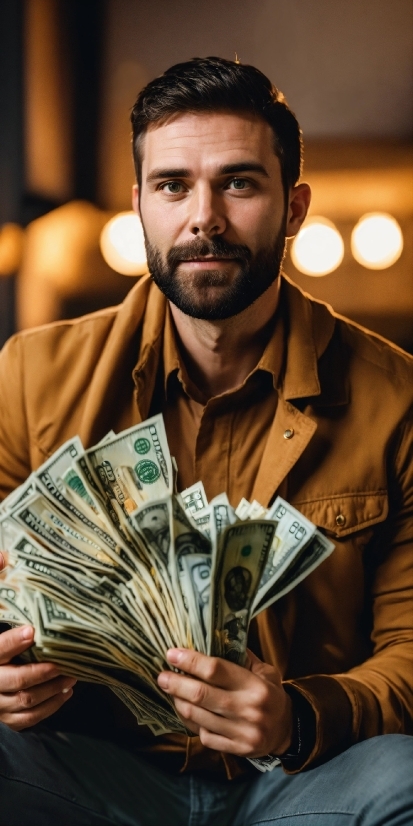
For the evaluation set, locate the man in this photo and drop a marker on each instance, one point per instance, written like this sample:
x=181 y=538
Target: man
x=263 y=391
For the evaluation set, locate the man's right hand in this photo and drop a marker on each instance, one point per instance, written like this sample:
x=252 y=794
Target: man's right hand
x=28 y=693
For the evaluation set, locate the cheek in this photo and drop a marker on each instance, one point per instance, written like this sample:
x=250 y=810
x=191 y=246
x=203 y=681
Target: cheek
x=161 y=227
x=257 y=223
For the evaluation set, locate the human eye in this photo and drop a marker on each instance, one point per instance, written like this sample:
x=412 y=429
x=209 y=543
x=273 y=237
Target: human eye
x=239 y=184
x=172 y=187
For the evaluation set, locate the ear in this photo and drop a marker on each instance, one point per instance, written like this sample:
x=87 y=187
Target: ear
x=135 y=200
x=299 y=202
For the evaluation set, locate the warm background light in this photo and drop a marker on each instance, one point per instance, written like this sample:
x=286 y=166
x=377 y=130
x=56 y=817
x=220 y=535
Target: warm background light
x=318 y=248
x=11 y=248
x=122 y=244
x=377 y=241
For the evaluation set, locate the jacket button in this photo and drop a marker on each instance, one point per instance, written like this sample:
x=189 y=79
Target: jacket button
x=340 y=520
x=288 y=434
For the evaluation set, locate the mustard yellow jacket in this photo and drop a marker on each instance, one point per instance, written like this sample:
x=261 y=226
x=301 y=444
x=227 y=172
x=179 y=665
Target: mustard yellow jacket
x=343 y=637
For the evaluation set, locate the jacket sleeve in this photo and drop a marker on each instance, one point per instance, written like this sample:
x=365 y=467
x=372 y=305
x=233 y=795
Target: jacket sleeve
x=375 y=697
x=15 y=464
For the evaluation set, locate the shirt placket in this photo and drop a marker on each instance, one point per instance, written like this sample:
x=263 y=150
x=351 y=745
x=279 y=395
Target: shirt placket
x=213 y=448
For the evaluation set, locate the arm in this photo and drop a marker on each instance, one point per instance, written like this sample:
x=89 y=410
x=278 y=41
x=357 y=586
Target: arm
x=375 y=697
x=15 y=463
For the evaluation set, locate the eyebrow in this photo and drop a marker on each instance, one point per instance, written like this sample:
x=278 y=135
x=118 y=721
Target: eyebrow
x=227 y=169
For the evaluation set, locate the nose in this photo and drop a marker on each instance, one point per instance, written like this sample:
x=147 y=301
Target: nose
x=206 y=216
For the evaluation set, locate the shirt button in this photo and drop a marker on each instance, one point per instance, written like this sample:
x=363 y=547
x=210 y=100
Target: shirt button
x=340 y=520
x=288 y=434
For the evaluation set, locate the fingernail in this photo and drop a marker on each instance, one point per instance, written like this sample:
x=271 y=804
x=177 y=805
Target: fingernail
x=174 y=655
x=163 y=680
x=66 y=690
x=26 y=633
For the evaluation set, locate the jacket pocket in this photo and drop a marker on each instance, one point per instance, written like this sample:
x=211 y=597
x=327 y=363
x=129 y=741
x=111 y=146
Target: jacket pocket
x=343 y=514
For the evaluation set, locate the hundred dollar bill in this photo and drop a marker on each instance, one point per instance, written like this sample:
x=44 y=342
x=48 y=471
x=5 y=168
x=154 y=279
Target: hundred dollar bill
x=242 y=509
x=189 y=543
x=242 y=556
x=154 y=522
x=293 y=533
x=202 y=521
x=193 y=499
x=133 y=466
x=301 y=566
x=17 y=496
x=39 y=516
x=15 y=604
x=193 y=559
x=222 y=515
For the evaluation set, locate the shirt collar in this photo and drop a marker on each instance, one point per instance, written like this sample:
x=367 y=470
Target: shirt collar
x=270 y=361
x=302 y=331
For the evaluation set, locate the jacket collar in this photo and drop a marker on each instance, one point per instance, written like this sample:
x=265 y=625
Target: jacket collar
x=136 y=339
x=311 y=327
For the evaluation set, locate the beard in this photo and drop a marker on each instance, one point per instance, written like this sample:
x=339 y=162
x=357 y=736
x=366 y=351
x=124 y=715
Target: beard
x=191 y=291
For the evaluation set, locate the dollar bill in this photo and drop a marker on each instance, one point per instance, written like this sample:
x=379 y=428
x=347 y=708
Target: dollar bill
x=242 y=556
x=193 y=499
x=293 y=533
x=302 y=565
x=112 y=567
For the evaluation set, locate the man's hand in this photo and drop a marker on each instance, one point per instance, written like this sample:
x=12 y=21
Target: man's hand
x=28 y=693
x=243 y=711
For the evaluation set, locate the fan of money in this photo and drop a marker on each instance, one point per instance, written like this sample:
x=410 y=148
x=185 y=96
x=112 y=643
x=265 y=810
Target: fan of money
x=112 y=567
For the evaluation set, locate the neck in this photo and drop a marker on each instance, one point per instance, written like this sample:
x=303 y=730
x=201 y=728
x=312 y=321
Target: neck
x=219 y=355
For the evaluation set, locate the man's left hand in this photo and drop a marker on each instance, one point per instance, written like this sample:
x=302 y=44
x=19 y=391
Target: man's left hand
x=242 y=711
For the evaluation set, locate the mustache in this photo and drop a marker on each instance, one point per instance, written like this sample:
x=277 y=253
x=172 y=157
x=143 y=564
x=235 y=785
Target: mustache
x=215 y=247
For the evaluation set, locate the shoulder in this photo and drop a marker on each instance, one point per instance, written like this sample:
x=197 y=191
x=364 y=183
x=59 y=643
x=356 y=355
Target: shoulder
x=82 y=337
x=382 y=356
x=347 y=349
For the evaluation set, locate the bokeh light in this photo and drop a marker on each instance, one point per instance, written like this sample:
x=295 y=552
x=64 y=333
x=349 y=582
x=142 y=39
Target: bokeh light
x=377 y=241
x=11 y=248
x=122 y=244
x=318 y=248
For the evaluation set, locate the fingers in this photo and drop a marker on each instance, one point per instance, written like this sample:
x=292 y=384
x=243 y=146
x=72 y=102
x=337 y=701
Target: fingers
x=221 y=733
x=30 y=717
x=14 y=642
x=196 y=692
x=29 y=698
x=212 y=670
x=21 y=677
x=219 y=743
x=194 y=716
x=2 y=561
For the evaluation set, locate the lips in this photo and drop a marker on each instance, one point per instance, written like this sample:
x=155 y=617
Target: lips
x=209 y=260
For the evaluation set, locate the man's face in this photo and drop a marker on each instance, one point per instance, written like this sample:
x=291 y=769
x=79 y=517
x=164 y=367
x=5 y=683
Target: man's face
x=213 y=212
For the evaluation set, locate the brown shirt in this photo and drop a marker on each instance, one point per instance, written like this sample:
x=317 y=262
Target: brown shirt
x=220 y=440
x=343 y=638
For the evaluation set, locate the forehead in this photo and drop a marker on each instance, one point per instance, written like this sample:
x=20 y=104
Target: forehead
x=208 y=140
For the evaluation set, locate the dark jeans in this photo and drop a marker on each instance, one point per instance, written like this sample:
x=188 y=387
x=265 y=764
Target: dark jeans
x=49 y=779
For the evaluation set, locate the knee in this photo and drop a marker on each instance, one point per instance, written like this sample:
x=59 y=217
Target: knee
x=389 y=751
x=383 y=766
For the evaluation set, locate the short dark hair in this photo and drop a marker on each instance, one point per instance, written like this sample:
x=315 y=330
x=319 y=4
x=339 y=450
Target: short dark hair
x=210 y=84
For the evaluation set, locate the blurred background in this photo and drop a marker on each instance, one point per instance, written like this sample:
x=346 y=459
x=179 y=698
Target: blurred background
x=70 y=71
